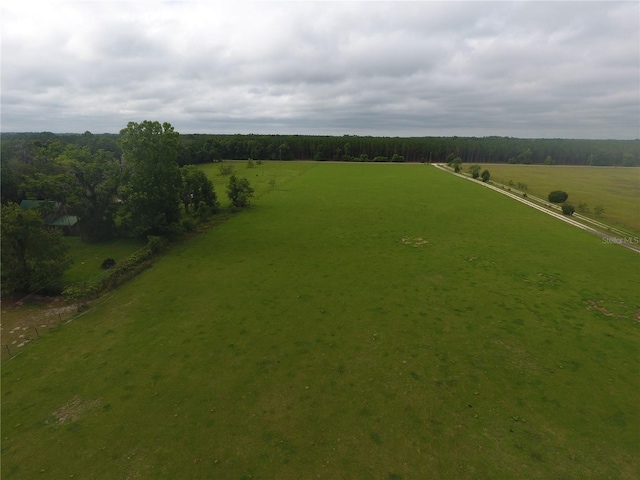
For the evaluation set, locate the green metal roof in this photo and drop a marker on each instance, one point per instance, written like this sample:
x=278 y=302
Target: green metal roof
x=64 y=221
x=61 y=221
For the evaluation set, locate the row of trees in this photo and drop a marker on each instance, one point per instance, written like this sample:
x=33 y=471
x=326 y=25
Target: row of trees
x=208 y=148
x=135 y=190
x=195 y=149
x=139 y=184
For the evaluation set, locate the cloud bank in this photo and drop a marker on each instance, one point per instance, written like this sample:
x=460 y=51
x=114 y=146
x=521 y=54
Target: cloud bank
x=527 y=69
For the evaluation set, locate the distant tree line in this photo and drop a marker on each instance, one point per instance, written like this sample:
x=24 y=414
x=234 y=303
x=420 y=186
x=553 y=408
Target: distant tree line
x=210 y=148
x=205 y=148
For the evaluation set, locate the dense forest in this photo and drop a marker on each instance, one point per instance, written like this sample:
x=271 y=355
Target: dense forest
x=206 y=148
x=195 y=149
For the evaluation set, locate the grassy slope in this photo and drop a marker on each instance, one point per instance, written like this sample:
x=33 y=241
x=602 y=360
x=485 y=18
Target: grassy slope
x=616 y=189
x=303 y=338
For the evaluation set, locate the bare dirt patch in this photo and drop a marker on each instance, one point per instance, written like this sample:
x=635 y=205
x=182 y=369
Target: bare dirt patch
x=599 y=307
x=74 y=409
x=25 y=319
x=414 y=241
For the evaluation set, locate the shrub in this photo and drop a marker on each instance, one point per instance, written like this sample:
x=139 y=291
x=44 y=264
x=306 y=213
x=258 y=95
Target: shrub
x=485 y=176
x=558 y=196
x=452 y=160
x=188 y=224
x=108 y=263
x=80 y=293
x=156 y=244
x=568 y=209
x=239 y=191
x=583 y=207
x=226 y=169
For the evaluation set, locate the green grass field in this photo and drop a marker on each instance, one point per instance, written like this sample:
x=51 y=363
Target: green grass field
x=88 y=256
x=359 y=321
x=616 y=189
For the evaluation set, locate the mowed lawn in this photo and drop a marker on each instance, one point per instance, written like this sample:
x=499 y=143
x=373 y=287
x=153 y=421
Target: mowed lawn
x=88 y=256
x=366 y=321
x=617 y=189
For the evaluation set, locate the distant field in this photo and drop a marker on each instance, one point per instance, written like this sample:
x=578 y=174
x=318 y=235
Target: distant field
x=359 y=321
x=265 y=177
x=616 y=189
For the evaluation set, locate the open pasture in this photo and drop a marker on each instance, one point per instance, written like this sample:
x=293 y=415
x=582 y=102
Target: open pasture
x=617 y=189
x=366 y=321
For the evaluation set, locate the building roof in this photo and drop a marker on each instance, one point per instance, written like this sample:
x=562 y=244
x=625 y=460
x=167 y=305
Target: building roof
x=64 y=221
x=29 y=204
x=55 y=220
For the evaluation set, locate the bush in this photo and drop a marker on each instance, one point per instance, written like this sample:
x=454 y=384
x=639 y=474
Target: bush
x=239 y=191
x=583 y=207
x=598 y=210
x=80 y=293
x=188 y=224
x=558 y=196
x=475 y=171
x=568 y=209
x=452 y=160
x=108 y=263
x=226 y=169
x=156 y=244
x=485 y=176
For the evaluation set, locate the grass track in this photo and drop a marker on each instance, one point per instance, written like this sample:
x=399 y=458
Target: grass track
x=303 y=338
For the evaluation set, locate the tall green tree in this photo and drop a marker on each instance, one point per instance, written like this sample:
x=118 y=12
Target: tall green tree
x=239 y=191
x=97 y=176
x=33 y=256
x=152 y=179
x=197 y=190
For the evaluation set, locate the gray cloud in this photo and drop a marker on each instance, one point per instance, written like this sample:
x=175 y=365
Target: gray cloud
x=528 y=69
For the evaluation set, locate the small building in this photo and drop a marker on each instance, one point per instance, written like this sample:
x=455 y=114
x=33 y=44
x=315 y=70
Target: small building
x=53 y=213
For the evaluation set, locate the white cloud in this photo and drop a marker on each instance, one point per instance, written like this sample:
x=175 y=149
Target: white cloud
x=387 y=68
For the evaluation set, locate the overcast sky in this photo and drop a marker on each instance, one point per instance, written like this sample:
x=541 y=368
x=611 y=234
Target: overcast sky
x=522 y=69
